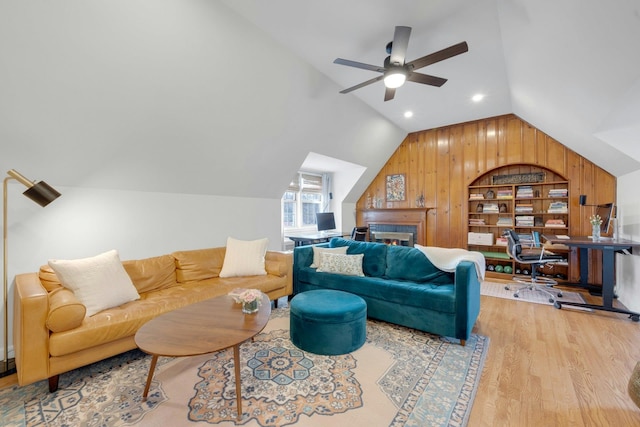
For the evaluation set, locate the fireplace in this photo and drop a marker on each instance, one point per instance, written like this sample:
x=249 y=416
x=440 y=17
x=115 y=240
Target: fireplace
x=392 y=238
x=406 y=221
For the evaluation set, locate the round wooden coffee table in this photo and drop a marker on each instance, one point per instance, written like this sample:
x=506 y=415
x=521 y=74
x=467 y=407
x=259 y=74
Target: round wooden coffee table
x=204 y=327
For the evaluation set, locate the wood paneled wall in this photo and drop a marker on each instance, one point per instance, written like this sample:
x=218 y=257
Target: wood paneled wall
x=441 y=163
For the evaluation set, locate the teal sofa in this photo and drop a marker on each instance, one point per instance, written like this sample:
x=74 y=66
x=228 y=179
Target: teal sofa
x=400 y=286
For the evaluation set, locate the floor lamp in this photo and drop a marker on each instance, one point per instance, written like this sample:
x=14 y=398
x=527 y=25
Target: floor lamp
x=43 y=194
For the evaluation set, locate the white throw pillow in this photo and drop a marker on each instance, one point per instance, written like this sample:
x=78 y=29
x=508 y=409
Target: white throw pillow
x=349 y=265
x=99 y=282
x=244 y=258
x=317 y=251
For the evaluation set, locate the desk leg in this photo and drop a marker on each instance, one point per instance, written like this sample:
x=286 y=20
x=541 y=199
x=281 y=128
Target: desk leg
x=152 y=368
x=236 y=363
x=608 y=285
x=608 y=276
x=584 y=266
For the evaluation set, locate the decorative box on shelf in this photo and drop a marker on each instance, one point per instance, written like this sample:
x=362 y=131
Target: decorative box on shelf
x=484 y=239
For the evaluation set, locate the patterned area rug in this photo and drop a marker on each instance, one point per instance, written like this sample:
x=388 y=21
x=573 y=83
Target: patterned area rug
x=400 y=377
x=495 y=289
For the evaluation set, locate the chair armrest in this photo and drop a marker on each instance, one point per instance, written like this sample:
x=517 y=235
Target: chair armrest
x=30 y=334
x=280 y=263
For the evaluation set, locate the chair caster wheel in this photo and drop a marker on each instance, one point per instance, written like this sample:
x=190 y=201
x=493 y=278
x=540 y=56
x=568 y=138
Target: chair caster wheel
x=551 y=300
x=506 y=288
x=635 y=318
x=557 y=305
x=516 y=296
x=559 y=294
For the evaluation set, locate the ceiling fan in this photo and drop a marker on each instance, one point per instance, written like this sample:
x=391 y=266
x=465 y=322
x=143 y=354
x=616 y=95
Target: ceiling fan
x=396 y=71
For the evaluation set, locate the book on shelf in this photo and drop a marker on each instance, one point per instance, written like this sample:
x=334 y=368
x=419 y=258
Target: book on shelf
x=504 y=221
x=558 y=207
x=558 y=192
x=478 y=222
x=524 y=192
x=524 y=221
x=490 y=208
x=476 y=196
x=524 y=208
x=504 y=194
x=557 y=223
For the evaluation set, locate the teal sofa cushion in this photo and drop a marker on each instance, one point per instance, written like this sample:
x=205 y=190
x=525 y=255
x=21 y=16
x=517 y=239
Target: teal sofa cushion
x=427 y=296
x=404 y=263
x=374 y=262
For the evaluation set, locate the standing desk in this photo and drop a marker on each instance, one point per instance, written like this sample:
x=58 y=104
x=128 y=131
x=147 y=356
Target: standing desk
x=313 y=238
x=609 y=248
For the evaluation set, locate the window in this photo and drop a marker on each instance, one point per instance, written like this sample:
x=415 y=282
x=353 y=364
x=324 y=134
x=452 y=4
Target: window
x=302 y=200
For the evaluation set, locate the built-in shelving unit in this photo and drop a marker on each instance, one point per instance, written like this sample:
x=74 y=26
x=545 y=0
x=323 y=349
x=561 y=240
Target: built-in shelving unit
x=533 y=201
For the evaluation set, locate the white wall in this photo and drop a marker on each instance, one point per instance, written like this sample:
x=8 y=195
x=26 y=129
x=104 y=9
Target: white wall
x=85 y=222
x=628 y=267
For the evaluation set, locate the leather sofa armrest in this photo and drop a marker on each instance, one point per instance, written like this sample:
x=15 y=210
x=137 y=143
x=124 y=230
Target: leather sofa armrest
x=280 y=263
x=30 y=334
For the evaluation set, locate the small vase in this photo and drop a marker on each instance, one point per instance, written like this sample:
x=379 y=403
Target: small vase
x=250 y=307
x=595 y=232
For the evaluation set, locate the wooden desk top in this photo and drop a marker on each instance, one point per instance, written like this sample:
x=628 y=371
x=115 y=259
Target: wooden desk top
x=200 y=328
x=587 y=241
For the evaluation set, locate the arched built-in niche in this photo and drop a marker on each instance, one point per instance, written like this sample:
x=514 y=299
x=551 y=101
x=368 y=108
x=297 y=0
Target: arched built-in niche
x=530 y=199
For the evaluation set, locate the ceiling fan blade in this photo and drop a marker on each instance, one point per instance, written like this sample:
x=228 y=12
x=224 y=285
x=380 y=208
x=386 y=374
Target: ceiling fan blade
x=426 y=79
x=363 y=84
x=399 y=46
x=440 y=55
x=389 y=93
x=356 y=64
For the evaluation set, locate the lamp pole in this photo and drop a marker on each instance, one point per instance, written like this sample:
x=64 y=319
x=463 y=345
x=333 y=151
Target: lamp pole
x=42 y=194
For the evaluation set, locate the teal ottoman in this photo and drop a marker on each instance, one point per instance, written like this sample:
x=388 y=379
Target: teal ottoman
x=328 y=322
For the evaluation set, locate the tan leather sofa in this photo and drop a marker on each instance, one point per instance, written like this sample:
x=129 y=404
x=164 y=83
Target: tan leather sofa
x=51 y=335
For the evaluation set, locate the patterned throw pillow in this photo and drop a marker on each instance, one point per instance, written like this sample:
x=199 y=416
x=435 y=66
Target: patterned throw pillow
x=318 y=251
x=349 y=265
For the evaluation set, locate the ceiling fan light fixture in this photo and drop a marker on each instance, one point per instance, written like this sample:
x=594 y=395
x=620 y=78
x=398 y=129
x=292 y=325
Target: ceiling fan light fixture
x=395 y=78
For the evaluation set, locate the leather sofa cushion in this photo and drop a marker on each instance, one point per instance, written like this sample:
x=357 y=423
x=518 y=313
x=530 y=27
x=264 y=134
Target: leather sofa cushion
x=65 y=311
x=152 y=273
x=49 y=279
x=198 y=264
x=276 y=268
x=124 y=321
x=374 y=262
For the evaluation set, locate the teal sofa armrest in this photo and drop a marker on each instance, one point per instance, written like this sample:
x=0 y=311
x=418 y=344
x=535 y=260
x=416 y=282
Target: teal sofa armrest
x=302 y=258
x=467 y=290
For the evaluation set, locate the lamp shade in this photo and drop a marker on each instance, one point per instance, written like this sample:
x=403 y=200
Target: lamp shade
x=42 y=193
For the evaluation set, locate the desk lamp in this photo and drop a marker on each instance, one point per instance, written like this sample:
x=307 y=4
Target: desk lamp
x=43 y=194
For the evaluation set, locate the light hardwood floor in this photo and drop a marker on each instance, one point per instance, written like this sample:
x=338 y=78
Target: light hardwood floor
x=549 y=367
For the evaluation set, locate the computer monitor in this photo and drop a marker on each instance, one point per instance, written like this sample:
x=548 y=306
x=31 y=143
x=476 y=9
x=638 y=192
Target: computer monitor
x=325 y=221
x=606 y=213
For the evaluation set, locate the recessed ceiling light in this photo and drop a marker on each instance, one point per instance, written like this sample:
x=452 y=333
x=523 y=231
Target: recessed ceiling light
x=477 y=97
x=408 y=114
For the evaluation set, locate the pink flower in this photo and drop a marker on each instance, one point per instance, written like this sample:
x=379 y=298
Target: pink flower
x=251 y=295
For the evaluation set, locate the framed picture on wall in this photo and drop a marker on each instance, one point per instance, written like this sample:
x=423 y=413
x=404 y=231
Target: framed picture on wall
x=396 y=191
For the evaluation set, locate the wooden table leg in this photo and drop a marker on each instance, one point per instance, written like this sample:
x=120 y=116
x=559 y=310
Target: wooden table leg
x=236 y=363
x=152 y=368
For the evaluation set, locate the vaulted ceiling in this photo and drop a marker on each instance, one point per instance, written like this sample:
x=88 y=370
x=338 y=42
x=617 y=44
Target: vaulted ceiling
x=569 y=67
x=229 y=97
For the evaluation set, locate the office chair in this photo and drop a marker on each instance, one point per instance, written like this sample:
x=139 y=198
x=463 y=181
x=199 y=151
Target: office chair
x=536 y=257
x=359 y=233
